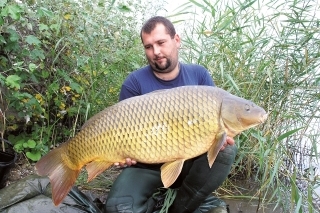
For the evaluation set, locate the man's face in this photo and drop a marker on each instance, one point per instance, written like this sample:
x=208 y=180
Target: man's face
x=161 y=50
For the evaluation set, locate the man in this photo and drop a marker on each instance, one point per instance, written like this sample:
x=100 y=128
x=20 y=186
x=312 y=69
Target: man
x=133 y=189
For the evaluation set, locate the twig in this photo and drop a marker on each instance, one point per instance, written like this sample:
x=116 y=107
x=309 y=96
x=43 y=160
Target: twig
x=2 y=120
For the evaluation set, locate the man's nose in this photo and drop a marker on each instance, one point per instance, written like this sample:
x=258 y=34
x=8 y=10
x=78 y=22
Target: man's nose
x=156 y=50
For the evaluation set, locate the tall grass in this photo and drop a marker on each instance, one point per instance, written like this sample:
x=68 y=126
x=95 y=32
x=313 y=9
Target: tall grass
x=269 y=52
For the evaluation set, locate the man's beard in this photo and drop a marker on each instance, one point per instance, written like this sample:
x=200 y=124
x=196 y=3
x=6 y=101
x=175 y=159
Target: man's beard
x=164 y=69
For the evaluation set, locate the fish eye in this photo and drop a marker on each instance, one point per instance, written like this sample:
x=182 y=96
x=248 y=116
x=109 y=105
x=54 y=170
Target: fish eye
x=247 y=107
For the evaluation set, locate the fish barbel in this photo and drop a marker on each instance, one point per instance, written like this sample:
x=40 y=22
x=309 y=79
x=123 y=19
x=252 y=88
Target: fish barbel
x=164 y=126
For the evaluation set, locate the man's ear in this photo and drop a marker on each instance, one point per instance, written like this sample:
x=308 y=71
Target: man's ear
x=178 y=40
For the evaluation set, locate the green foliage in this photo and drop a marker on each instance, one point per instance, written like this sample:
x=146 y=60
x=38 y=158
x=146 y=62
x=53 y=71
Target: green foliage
x=63 y=61
x=13 y=81
x=28 y=145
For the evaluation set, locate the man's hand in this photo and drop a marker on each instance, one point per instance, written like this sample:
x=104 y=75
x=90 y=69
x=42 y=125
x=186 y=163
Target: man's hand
x=129 y=162
x=229 y=141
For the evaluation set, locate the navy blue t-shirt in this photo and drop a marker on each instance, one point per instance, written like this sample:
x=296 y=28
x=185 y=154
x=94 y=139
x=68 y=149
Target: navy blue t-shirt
x=143 y=80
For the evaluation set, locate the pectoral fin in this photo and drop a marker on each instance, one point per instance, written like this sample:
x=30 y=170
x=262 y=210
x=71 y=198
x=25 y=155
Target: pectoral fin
x=96 y=167
x=215 y=147
x=170 y=172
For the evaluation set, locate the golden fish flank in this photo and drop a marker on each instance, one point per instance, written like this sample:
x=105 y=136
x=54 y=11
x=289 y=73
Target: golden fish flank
x=167 y=126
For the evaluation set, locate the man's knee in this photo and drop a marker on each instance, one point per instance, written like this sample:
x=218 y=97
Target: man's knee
x=228 y=155
x=132 y=190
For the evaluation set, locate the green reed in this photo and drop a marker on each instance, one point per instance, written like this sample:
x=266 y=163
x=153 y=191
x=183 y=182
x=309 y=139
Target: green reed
x=266 y=51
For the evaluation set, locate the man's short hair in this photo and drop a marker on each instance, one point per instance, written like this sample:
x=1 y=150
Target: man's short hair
x=150 y=24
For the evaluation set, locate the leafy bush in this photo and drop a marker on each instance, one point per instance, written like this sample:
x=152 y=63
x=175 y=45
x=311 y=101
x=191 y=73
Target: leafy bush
x=61 y=62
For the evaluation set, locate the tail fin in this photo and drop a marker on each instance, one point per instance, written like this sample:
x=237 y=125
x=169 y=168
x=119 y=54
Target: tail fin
x=61 y=176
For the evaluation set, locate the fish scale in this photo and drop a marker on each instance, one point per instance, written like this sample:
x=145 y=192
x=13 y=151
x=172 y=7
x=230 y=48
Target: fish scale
x=167 y=126
x=152 y=106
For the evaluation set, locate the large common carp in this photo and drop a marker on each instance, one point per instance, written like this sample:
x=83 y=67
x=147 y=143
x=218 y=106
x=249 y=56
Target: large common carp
x=165 y=126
